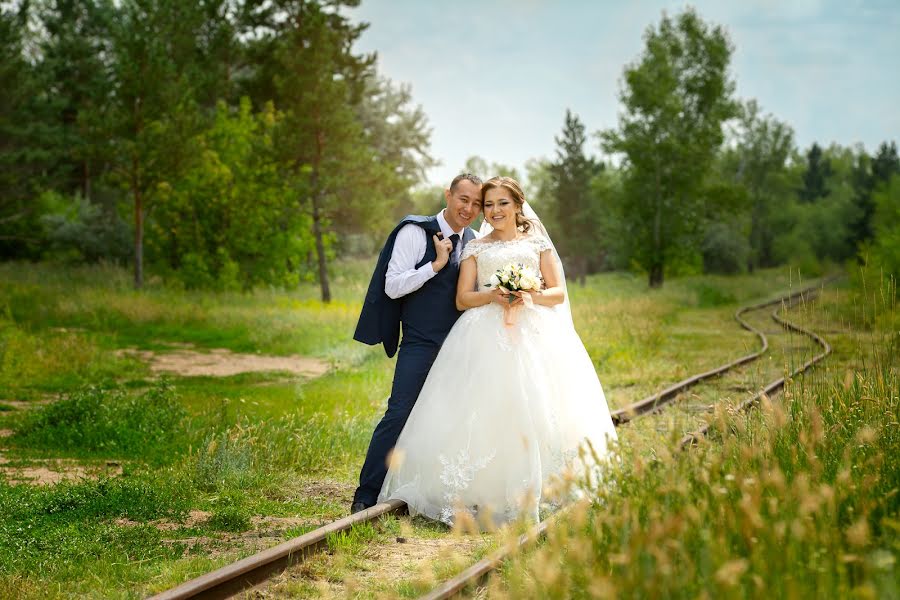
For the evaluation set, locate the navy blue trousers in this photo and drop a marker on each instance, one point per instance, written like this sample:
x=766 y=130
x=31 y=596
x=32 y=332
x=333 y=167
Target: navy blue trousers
x=414 y=360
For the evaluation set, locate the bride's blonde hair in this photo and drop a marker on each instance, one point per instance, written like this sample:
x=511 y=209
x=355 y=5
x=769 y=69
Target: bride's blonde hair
x=518 y=196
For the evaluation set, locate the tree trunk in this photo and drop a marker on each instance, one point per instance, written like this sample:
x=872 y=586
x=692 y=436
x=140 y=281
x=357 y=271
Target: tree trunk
x=320 y=249
x=756 y=243
x=138 y=229
x=138 y=241
x=317 y=219
x=317 y=233
x=656 y=261
x=86 y=180
x=656 y=275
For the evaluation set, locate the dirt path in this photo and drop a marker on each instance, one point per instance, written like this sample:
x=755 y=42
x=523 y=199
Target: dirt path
x=219 y=362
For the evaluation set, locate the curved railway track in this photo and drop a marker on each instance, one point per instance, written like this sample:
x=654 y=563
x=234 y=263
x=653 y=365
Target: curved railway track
x=254 y=570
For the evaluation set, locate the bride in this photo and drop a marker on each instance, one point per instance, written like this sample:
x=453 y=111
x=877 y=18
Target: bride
x=512 y=394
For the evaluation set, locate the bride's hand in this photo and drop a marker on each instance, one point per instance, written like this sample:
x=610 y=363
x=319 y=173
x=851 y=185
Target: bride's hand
x=502 y=297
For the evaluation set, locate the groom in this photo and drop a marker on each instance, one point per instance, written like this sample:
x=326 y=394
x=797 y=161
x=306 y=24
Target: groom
x=414 y=284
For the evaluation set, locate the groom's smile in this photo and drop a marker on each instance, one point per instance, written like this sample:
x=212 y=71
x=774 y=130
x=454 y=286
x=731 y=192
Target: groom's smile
x=463 y=204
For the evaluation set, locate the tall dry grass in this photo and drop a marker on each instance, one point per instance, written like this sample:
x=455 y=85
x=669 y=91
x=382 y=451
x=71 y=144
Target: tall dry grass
x=798 y=499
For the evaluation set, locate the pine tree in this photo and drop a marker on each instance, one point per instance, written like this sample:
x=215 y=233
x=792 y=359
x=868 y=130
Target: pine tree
x=869 y=174
x=318 y=83
x=74 y=65
x=152 y=116
x=815 y=178
x=886 y=164
x=571 y=174
x=25 y=163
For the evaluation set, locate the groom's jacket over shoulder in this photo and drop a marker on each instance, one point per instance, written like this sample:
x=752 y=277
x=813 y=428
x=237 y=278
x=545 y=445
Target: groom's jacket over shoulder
x=379 y=321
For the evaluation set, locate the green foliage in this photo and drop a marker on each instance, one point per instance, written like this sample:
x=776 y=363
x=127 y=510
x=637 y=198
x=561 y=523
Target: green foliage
x=24 y=157
x=815 y=178
x=109 y=422
x=870 y=175
x=709 y=295
x=307 y=443
x=886 y=246
x=223 y=461
x=809 y=233
x=229 y=514
x=75 y=60
x=676 y=98
x=152 y=118
x=758 y=163
x=230 y=221
x=426 y=200
x=397 y=132
x=317 y=84
x=145 y=110
x=725 y=249
x=84 y=231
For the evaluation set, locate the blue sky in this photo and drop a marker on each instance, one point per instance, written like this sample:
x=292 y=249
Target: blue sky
x=496 y=76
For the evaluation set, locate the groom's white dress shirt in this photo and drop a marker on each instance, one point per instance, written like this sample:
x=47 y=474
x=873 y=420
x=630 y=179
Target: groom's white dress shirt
x=402 y=276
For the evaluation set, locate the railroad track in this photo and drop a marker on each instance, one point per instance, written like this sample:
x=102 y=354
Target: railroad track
x=255 y=570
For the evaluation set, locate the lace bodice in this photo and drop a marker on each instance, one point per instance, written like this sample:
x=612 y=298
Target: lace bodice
x=492 y=255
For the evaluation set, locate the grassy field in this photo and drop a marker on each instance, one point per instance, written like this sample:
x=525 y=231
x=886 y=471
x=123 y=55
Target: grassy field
x=799 y=499
x=167 y=476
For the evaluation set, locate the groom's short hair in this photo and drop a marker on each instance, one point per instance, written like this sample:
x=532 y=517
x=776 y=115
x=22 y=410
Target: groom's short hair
x=467 y=176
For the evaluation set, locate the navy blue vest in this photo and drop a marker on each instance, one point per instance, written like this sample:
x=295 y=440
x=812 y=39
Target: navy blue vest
x=428 y=313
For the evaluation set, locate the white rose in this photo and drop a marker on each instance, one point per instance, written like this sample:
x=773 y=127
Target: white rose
x=529 y=282
x=505 y=278
x=495 y=280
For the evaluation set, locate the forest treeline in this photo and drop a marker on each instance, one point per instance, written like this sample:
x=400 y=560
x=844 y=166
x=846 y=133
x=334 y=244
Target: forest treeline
x=697 y=180
x=230 y=142
x=236 y=143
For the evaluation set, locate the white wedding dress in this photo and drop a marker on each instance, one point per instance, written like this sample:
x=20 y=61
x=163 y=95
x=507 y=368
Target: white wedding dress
x=503 y=410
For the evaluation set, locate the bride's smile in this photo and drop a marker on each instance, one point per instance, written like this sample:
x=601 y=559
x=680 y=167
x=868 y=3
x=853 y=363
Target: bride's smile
x=500 y=210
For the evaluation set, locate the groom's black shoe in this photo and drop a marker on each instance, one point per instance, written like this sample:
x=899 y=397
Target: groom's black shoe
x=357 y=507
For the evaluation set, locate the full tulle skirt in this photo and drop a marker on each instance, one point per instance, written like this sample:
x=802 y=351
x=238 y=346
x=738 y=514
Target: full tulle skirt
x=504 y=412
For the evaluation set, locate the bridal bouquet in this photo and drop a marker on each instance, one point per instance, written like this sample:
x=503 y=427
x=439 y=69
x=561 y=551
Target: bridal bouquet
x=515 y=278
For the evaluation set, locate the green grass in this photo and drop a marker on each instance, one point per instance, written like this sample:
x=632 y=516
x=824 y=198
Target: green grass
x=98 y=421
x=257 y=444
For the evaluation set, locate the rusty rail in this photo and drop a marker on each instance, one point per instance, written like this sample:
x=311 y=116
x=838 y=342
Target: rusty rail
x=253 y=570
x=775 y=386
x=659 y=400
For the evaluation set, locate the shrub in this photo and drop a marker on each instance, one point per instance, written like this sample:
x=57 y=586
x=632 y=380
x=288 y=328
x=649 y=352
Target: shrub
x=110 y=422
x=725 y=250
x=85 y=231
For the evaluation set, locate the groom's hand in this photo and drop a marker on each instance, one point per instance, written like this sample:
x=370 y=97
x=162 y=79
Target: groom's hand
x=443 y=248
